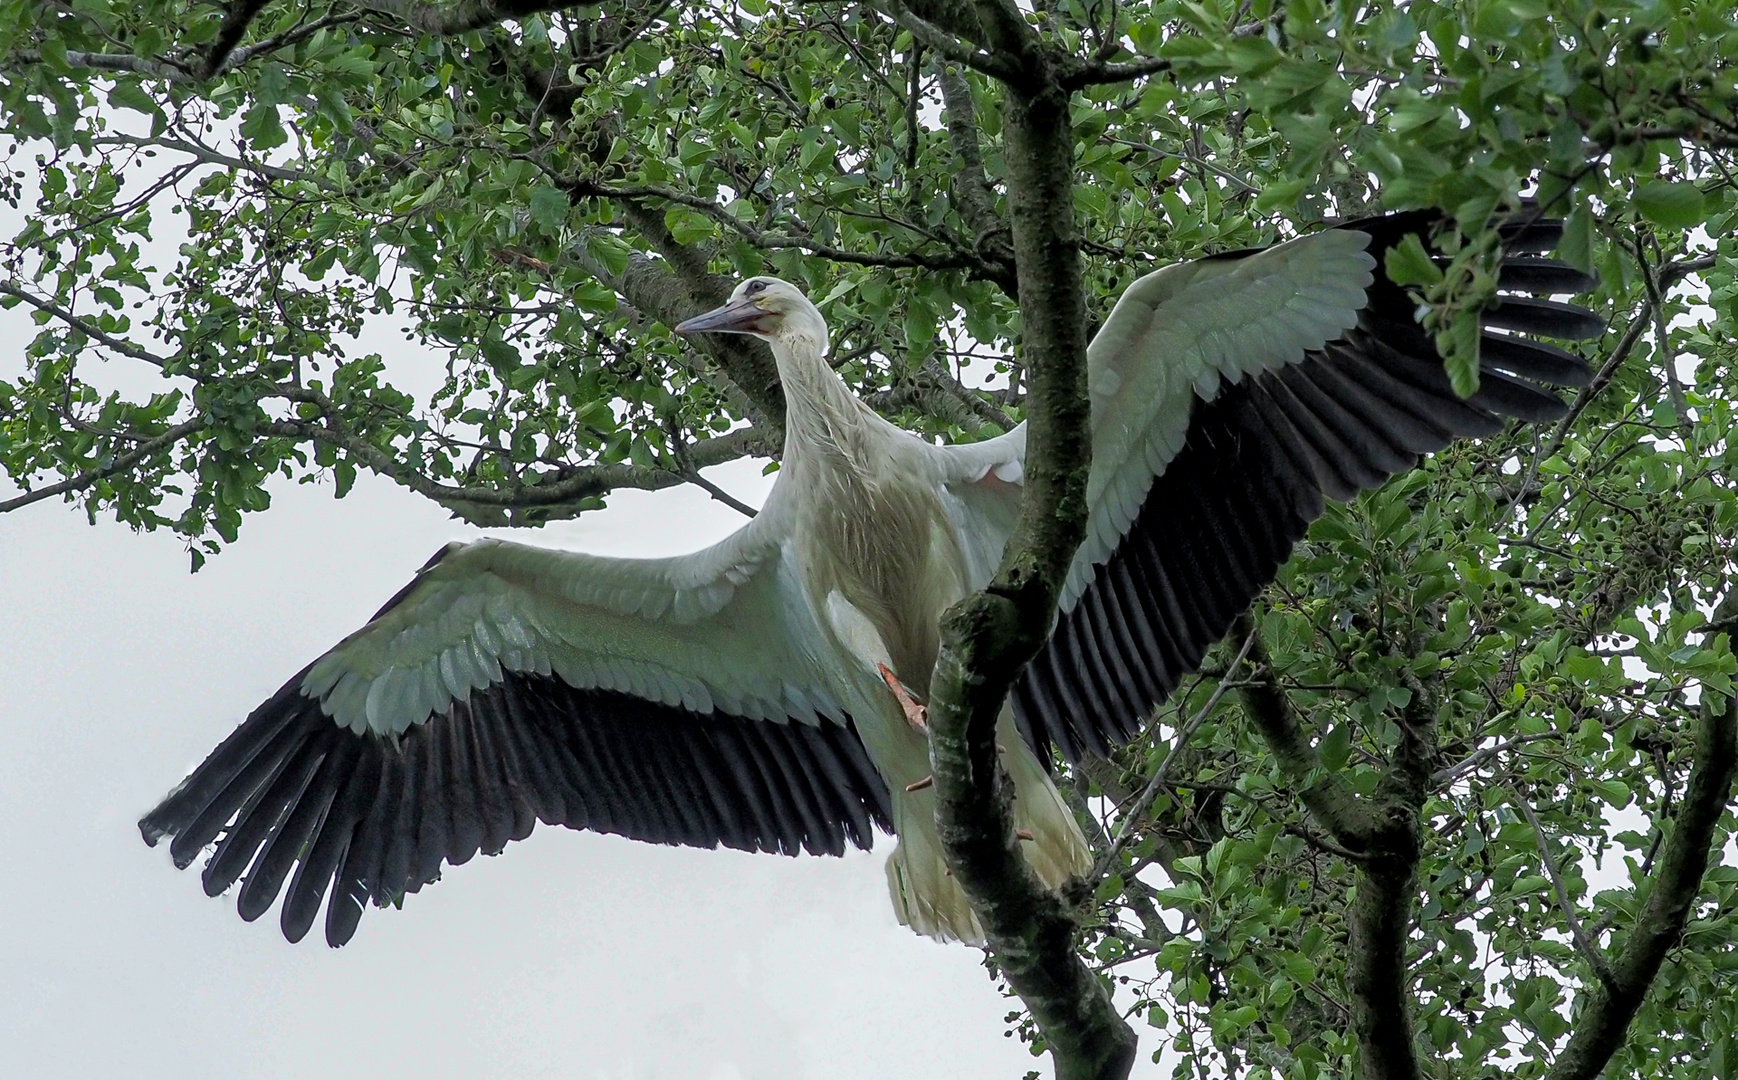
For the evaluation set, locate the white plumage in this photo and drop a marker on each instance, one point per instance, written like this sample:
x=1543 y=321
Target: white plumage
x=759 y=692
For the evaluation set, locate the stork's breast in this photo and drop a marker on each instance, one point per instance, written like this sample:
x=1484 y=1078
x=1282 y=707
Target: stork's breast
x=890 y=550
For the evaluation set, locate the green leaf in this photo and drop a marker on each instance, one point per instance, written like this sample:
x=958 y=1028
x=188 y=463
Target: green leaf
x=1407 y=263
x=1526 y=886
x=1459 y=345
x=1335 y=748
x=1675 y=205
x=549 y=206
x=609 y=251
x=502 y=354
x=345 y=474
x=128 y=94
x=1110 y=888
x=1576 y=247
x=1281 y=194
x=262 y=128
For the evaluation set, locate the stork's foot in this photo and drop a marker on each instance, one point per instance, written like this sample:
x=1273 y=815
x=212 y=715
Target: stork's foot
x=921 y=784
x=915 y=713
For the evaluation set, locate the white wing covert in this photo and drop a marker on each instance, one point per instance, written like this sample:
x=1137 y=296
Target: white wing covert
x=1230 y=397
x=1173 y=335
x=679 y=700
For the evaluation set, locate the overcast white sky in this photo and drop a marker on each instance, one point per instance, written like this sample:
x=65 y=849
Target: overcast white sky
x=571 y=955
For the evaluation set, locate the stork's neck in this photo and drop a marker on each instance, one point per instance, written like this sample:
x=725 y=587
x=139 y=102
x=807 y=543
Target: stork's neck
x=824 y=420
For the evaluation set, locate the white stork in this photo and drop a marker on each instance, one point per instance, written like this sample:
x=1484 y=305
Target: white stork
x=765 y=692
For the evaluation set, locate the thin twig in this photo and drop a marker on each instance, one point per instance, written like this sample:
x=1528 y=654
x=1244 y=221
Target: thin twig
x=119 y=465
x=1454 y=772
x=1131 y=819
x=1588 y=947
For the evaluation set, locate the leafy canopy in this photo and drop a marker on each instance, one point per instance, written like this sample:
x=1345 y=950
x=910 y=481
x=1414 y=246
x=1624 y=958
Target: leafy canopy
x=216 y=236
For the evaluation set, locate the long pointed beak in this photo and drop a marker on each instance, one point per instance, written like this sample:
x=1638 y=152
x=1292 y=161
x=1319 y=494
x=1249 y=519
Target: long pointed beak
x=742 y=316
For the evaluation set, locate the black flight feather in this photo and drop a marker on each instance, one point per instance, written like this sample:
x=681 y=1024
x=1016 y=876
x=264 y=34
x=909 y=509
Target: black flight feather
x=1257 y=462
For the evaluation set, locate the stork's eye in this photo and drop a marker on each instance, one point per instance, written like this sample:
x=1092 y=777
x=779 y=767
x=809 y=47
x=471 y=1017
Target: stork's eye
x=755 y=287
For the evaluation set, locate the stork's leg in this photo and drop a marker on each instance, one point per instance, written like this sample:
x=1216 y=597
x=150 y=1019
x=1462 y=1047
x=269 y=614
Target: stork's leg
x=858 y=635
x=916 y=713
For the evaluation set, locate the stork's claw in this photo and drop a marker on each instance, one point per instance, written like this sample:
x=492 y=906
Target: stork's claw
x=915 y=713
x=921 y=784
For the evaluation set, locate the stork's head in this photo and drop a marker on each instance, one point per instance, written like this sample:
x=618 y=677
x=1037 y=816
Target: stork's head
x=766 y=307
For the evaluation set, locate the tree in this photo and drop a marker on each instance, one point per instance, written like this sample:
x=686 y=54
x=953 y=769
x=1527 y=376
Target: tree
x=1368 y=832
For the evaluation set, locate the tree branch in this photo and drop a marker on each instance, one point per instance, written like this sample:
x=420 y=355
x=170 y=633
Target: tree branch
x=127 y=63
x=1091 y=73
x=1451 y=773
x=296 y=34
x=1383 y=831
x=1327 y=795
x=461 y=16
x=1131 y=818
x=656 y=289
x=84 y=326
x=954 y=260
x=206 y=154
x=972 y=192
x=491 y=505
x=1604 y=1013
x=942 y=396
x=1585 y=945
x=1668 y=275
x=943 y=43
x=746 y=361
x=235 y=23
x=119 y=465
x=1381 y=918
x=1601 y=379
x=693 y=477
x=986 y=638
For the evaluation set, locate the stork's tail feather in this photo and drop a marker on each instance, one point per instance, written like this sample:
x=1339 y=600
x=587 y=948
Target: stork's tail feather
x=925 y=897
x=930 y=901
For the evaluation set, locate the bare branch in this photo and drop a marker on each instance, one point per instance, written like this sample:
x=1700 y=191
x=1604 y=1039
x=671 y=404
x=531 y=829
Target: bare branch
x=693 y=477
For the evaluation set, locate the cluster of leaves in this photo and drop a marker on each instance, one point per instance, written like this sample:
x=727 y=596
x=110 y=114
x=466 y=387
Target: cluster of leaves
x=1548 y=692
x=1545 y=592
x=531 y=203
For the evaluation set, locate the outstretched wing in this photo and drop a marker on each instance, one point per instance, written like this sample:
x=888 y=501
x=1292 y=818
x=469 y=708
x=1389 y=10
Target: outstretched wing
x=1230 y=396
x=680 y=701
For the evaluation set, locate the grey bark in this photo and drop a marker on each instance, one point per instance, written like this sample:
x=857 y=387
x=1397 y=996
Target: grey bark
x=989 y=636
